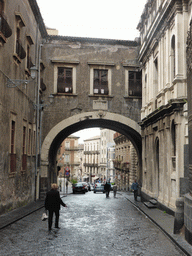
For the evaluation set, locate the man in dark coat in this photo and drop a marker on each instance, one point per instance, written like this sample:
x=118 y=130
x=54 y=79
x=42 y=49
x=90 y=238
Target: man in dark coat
x=52 y=204
x=107 y=188
x=134 y=188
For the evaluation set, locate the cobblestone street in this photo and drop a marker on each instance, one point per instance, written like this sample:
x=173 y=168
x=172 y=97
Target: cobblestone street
x=90 y=225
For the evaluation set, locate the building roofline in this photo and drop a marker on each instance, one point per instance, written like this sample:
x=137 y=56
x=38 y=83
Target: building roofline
x=38 y=17
x=95 y=40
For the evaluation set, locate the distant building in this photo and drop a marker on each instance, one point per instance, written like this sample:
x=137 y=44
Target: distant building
x=91 y=171
x=106 y=155
x=52 y=31
x=126 y=162
x=68 y=158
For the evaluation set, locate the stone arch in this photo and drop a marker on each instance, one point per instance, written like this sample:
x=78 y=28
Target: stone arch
x=59 y=132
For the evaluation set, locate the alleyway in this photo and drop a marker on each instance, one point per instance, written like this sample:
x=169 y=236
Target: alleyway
x=91 y=225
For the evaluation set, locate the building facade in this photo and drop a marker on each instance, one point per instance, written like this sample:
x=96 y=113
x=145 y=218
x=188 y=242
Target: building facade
x=91 y=163
x=188 y=196
x=106 y=153
x=69 y=158
x=125 y=163
x=164 y=120
x=21 y=33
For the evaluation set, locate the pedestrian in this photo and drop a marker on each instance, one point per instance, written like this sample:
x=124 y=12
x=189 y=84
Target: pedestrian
x=134 y=188
x=67 y=187
x=107 y=188
x=52 y=204
x=114 y=189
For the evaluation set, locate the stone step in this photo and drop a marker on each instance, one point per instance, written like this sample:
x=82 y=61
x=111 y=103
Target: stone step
x=150 y=205
x=153 y=201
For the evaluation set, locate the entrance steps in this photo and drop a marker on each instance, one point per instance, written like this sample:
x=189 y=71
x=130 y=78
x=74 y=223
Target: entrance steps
x=151 y=204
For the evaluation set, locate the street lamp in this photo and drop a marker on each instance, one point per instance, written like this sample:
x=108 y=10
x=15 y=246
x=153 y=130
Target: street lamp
x=34 y=71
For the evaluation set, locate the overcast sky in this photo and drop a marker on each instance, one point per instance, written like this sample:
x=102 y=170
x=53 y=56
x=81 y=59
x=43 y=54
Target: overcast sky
x=99 y=19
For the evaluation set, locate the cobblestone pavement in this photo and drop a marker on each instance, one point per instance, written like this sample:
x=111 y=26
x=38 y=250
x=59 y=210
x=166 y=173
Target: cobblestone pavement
x=90 y=225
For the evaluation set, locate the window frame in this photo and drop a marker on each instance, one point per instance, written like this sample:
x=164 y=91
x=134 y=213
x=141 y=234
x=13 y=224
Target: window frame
x=66 y=85
x=101 y=66
x=127 y=87
x=65 y=64
x=98 y=84
x=24 y=146
x=19 y=24
x=12 y=149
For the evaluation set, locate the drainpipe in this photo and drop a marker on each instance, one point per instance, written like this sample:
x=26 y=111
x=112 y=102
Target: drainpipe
x=38 y=125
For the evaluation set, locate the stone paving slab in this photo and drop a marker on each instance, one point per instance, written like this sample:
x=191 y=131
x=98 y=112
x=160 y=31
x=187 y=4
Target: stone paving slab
x=163 y=220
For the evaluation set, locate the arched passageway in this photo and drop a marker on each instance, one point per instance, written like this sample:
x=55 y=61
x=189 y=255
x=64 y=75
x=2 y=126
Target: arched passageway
x=62 y=130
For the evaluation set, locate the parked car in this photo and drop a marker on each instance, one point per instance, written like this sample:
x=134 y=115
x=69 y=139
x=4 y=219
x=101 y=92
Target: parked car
x=86 y=186
x=99 y=187
x=79 y=188
x=89 y=186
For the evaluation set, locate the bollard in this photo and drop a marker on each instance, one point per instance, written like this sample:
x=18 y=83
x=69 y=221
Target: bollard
x=179 y=215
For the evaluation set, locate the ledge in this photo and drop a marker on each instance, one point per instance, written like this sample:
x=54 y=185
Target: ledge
x=100 y=95
x=64 y=94
x=65 y=61
x=101 y=63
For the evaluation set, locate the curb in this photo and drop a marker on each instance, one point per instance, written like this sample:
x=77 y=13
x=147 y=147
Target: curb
x=163 y=230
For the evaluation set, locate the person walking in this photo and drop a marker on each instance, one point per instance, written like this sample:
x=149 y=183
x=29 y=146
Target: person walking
x=114 y=189
x=52 y=204
x=107 y=189
x=67 y=187
x=134 y=188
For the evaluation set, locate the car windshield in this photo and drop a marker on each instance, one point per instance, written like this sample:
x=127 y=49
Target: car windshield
x=78 y=185
x=99 y=184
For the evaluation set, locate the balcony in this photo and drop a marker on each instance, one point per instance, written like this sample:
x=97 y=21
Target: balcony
x=5 y=29
x=90 y=165
x=71 y=148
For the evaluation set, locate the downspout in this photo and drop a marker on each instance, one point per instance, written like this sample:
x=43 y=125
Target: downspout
x=38 y=129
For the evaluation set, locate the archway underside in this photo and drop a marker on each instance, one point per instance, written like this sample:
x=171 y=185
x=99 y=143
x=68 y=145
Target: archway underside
x=54 y=138
x=131 y=134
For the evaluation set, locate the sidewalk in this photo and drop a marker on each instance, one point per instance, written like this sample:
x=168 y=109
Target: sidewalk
x=163 y=220
x=21 y=212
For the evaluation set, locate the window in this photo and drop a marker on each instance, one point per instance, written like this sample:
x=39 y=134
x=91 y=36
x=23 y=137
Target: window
x=173 y=57
x=5 y=29
x=24 y=156
x=29 y=141
x=29 y=63
x=65 y=76
x=100 y=84
x=34 y=142
x=67 y=145
x=100 y=77
x=19 y=50
x=135 y=84
x=12 y=154
x=64 y=80
x=67 y=158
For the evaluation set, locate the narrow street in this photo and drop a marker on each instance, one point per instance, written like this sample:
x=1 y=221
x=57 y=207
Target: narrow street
x=90 y=225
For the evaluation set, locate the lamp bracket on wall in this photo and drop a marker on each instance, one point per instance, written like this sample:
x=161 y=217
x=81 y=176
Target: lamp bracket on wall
x=11 y=83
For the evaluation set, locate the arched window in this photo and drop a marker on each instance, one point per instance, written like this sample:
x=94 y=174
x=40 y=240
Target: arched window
x=173 y=56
